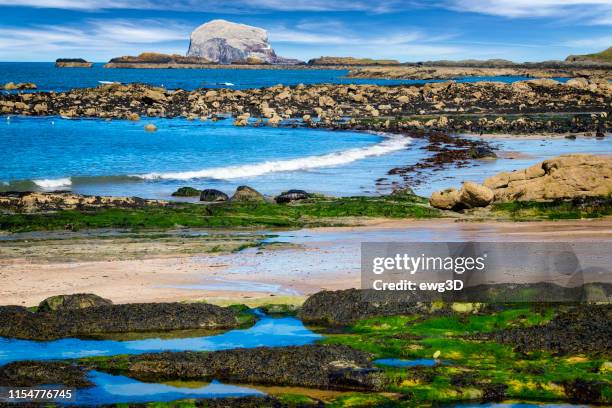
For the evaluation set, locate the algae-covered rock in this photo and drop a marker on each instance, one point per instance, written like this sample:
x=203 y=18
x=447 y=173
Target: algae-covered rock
x=247 y=194
x=76 y=301
x=18 y=322
x=187 y=192
x=315 y=366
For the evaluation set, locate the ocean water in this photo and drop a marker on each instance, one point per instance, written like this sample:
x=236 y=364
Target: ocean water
x=93 y=156
x=119 y=157
x=49 y=78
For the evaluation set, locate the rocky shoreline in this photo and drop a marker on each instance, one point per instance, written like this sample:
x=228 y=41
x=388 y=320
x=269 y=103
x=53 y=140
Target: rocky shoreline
x=432 y=105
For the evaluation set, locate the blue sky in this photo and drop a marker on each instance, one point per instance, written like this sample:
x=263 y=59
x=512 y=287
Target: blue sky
x=409 y=30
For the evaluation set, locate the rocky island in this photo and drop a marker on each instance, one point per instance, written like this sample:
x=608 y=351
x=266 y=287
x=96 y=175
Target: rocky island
x=156 y=60
x=72 y=63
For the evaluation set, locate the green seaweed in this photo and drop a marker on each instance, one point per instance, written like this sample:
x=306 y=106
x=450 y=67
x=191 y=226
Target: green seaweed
x=313 y=212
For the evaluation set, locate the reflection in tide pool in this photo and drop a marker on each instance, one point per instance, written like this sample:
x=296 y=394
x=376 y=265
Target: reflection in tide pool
x=271 y=332
x=120 y=389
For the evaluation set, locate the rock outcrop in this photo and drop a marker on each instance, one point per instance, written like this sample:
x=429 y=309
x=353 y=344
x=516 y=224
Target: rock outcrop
x=226 y=42
x=29 y=202
x=567 y=177
x=564 y=177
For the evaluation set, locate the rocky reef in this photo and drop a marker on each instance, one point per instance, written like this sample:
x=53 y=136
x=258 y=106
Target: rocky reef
x=103 y=318
x=316 y=366
x=343 y=307
x=522 y=107
x=225 y=42
x=28 y=202
x=584 y=329
x=567 y=177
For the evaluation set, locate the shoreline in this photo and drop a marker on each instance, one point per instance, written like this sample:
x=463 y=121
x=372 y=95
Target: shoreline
x=167 y=279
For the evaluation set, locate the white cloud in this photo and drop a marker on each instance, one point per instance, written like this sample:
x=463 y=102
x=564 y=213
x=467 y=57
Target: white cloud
x=591 y=10
x=107 y=38
x=598 y=43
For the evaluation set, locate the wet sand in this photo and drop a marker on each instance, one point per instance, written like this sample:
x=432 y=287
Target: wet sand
x=316 y=259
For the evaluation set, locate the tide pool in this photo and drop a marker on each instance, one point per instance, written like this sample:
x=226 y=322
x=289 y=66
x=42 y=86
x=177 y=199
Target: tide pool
x=271 y=332
x=114 y=389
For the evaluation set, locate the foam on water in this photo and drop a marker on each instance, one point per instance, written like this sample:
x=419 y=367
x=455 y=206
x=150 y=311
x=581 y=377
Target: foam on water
x=389 y=145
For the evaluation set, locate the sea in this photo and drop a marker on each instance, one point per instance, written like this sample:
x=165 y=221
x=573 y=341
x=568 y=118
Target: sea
x=118 y=157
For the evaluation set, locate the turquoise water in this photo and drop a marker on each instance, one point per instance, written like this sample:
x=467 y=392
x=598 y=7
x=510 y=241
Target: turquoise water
x=271 y=332
x=398 y=362
x=49 y=78
x=93 y=156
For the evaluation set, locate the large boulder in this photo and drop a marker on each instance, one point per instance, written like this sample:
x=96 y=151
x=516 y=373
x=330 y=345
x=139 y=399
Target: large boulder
x=445 y=200
x=475 y=195
x=247 y=194
x=212 y=195
x=291 y=195
x=71 y=302
x=564 y=177
x=226 y=42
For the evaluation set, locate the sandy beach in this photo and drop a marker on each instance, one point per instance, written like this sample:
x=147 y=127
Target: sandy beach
x=311 y=260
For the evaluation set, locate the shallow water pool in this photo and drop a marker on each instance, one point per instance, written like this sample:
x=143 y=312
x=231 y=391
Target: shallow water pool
x=271 y=332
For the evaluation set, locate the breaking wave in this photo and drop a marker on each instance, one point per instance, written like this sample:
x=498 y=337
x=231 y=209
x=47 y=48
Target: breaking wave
x=389 y=145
